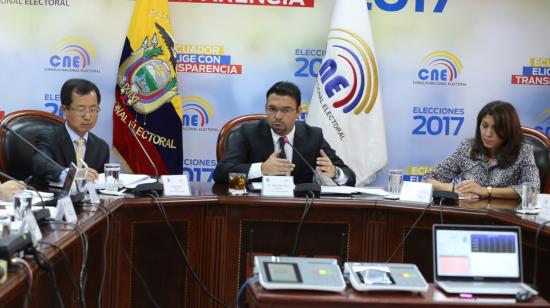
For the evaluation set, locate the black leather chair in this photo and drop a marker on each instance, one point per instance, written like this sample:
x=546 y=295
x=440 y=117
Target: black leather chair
x=229 y=128
x=541 y=149
x=16 y=155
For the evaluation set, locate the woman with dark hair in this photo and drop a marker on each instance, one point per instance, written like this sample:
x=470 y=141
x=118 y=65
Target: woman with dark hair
x=494 y=163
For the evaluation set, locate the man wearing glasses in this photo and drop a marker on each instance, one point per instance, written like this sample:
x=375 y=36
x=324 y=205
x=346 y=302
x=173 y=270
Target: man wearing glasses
x=261 y=148
x=73 y=142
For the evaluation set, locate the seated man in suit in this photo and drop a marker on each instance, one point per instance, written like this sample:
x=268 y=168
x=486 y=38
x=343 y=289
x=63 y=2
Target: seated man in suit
x=7 y=188
x=73 y=142
x=259 y=149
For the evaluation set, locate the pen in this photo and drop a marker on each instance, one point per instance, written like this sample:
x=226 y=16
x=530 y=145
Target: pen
x=28 y=180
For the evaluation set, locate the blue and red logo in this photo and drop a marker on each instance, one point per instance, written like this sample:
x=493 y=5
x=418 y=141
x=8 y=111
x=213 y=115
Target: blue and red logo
x=543 y=122
x=72 y=55
x=440 y=68
x=349 y=74
x=197 y=113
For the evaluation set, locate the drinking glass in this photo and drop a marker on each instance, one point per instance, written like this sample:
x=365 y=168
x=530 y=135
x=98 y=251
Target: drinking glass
x=528 y=196
x=395 y=181
x=112 y=174
x=22 y=200
x=237 y=182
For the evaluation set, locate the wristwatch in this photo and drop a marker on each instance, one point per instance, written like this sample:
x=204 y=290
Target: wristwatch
x=489 y=191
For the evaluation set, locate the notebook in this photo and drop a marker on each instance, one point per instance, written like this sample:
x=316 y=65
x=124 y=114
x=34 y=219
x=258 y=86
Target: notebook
x=478 y=259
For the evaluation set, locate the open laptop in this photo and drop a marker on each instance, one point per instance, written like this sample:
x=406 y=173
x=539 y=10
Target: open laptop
x=478 y=259
x=66 y=188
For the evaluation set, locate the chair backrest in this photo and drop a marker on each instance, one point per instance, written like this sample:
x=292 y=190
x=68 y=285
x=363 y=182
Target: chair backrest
x=16 y=155
x=229 y=128
x=541 y=150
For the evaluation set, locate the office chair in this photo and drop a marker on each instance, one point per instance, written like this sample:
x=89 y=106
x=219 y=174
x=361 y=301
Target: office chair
x=541 y=150
x=16 y=155
x=229 y=128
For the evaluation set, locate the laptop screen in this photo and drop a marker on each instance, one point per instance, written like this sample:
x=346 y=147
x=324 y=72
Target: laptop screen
x=463 y=252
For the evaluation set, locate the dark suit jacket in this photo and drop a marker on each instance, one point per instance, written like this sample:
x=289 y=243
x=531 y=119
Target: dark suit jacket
x=253 y=143
x=57 y=144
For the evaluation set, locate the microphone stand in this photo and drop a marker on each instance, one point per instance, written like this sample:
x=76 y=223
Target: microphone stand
x=146 y=188
x=451 y=196
x=302 y=188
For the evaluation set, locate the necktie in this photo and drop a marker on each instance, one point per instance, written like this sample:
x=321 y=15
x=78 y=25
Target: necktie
x=282 y=154
x=79 y=151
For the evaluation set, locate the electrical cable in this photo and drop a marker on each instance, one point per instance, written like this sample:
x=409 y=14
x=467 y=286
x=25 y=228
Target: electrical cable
x=409 y=232
x=107 y=230
x=242 y=288
x=300 y=223
x=156 y=198
x=68 y=267
x=138 y=274
x=28 y=277
x=83 y=269
x=45 y=264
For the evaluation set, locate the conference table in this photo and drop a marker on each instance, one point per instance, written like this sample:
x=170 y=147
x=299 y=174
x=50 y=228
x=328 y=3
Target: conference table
x=133 y=258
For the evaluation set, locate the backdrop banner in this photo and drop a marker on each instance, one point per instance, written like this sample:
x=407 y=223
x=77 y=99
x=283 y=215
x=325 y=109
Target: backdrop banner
x=439 y=62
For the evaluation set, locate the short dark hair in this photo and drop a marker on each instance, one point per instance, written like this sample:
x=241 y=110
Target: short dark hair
x=285 y=88
x=80 y=87
x=507 y=127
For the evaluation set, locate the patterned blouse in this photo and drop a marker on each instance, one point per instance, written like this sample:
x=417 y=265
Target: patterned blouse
x=522 y=170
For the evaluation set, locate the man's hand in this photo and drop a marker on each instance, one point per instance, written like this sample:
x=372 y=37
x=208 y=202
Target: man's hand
x=325 y=166
x=91 y=175
x=276 y=166
x=7 y=189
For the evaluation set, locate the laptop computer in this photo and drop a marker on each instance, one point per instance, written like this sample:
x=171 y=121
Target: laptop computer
x=478 y=259
x=66 y=188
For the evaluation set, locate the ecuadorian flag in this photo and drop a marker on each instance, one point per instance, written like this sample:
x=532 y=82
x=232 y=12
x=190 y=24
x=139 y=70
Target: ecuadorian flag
x=147 y=99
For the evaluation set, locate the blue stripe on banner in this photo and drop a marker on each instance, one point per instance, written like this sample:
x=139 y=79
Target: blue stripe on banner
x=413 y=178
x=203 y=59
x=536 y=71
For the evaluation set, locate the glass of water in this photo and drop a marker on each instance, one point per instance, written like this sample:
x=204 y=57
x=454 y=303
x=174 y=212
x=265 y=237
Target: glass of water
x=529 y=194
x=112 y=174
x=22 y=200
x=395 y=181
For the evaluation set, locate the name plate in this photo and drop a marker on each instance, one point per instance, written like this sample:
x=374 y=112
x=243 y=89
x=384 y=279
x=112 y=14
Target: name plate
x=416 y=192
x=278 y=186
x=176 y=185
x=65 y=210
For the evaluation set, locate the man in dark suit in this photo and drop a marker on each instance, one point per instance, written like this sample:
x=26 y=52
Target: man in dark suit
x=260 y=148
x=73 y=141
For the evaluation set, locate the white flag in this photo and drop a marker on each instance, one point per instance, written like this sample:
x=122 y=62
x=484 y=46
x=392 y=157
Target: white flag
x=346 y=100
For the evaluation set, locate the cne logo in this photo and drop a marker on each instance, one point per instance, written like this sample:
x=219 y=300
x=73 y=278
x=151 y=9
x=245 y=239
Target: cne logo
x=349 y=75
x=197 y=113
x=543 y=122
x=440 y=68
x=72 y=54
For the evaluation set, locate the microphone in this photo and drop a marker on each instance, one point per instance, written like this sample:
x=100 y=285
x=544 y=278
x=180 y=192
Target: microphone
x=39 y=214
x=146 y=188
x=451 y=196
x=6 y=127
x=301 y=189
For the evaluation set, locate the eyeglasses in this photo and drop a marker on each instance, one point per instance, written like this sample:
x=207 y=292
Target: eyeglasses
x=273 y=110
x=83 y=110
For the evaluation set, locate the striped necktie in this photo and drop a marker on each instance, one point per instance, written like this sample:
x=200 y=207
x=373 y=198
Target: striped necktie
x=79 y=151
x=282 y=154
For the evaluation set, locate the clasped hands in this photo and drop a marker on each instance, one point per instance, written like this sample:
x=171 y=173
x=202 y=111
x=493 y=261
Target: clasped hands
x=281 y=166
x=470 y=189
